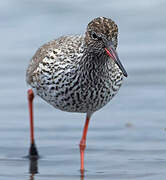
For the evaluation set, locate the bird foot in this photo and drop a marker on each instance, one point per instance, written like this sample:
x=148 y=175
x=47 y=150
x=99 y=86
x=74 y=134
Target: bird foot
x=33 y=153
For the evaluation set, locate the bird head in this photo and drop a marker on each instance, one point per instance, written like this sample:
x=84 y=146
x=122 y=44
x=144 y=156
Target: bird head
x=101 y=38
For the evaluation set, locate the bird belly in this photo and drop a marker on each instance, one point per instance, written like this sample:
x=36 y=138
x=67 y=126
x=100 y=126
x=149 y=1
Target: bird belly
x=74 y=97
x=76 y=101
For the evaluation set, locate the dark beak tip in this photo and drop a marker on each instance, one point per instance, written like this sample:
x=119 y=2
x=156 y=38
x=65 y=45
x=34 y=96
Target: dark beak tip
x=112 y=53
x=125 y=74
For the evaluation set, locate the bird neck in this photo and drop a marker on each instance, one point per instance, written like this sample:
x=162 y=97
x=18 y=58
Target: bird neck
x=93 y=66
x=91 y=60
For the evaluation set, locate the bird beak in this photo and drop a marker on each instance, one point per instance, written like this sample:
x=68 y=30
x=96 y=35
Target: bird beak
x=113 y=54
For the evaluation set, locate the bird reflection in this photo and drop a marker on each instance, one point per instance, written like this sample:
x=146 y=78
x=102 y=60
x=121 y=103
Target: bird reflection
x=33 y=167
x=81 y=174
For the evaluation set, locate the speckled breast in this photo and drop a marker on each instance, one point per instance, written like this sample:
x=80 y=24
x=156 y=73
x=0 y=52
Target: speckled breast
x=68 y=88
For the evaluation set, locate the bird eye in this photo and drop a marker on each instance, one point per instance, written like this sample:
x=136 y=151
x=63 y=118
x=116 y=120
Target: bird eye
x=94 y=36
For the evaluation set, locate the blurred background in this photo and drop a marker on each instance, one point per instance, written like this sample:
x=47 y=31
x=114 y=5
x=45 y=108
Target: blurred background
x=127 y=138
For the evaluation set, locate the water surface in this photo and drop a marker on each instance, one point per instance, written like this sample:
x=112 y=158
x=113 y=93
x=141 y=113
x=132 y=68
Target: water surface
x=127 y=138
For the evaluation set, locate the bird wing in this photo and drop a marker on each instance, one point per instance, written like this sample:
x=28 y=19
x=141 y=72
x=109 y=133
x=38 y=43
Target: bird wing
x=66 y=46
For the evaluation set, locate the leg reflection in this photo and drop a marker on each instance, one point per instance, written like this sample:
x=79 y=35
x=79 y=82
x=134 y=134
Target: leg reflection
x=81 y=174
x=33 y=167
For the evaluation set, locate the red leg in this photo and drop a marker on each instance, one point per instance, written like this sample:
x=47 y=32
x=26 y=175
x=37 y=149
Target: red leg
x=83 y=143
x=33 y=150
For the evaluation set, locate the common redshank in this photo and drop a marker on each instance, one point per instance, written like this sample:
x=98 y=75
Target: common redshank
x=79 y=73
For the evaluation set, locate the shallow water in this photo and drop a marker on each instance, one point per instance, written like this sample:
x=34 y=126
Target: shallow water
x=127 y=138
